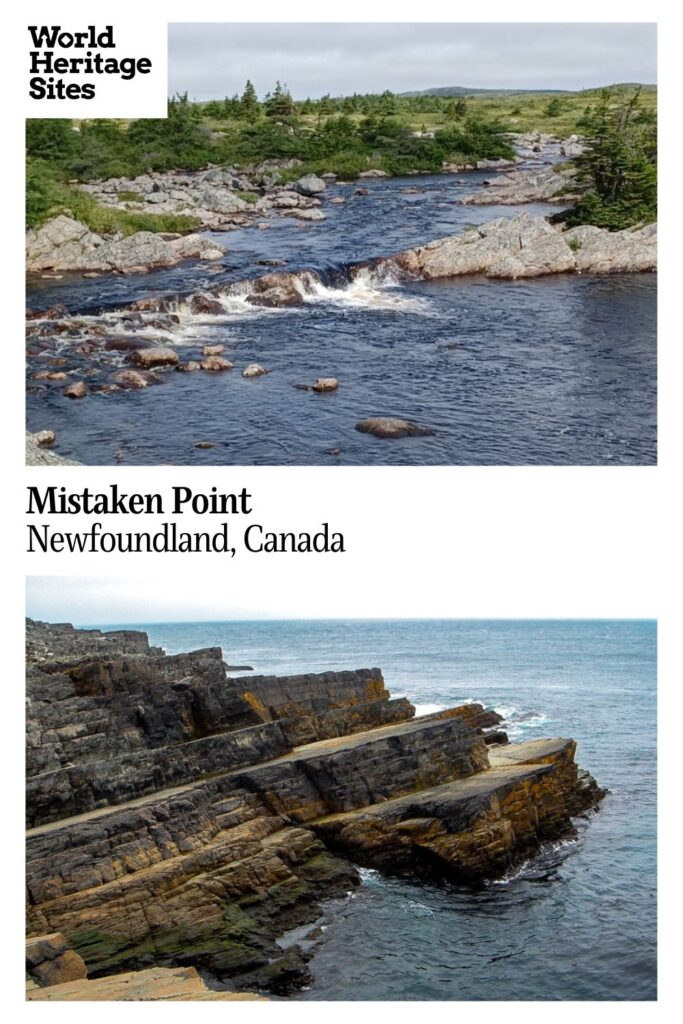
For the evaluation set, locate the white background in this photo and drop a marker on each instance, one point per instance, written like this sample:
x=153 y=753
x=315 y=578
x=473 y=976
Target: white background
x=142 y=96
x=467 y=542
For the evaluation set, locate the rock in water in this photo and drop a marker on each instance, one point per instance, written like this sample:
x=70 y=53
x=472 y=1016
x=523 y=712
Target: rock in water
x=306 y=214
x=215 y=364
x=325 y=384
x=130 y=379
x=310 y=185
x=202 y=303
x=390 y=426
x=78 y=389
x=254 y=370
x=44 y=438
x=148 y=357
x=275 y=290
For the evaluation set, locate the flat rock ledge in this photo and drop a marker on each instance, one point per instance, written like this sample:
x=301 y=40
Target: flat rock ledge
x=528 y=246
x=56 y=973
x=183 y=820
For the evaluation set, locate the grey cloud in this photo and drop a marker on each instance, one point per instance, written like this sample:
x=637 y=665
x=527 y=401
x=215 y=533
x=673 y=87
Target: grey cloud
x=214 y=60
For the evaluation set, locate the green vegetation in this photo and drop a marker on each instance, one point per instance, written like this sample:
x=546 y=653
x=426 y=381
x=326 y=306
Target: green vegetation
x=47 y=196
x=326 y=135
x=618 y=171
x=346 y=135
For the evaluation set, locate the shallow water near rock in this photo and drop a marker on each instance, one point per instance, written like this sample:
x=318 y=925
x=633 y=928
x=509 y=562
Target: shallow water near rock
x=578 y=922
x=559 y=370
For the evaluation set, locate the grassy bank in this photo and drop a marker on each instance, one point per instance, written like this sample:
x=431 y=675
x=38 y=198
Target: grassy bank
x=47 y=196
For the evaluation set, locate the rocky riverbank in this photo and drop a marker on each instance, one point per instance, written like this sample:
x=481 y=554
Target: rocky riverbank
x=226 y=198
x=555 y=184
x=526 y=246
x=179 y=817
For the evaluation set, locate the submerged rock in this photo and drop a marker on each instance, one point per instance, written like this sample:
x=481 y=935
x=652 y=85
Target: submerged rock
x=79 y=389
x=391 y=427
x=254 y=370
x=130 y=379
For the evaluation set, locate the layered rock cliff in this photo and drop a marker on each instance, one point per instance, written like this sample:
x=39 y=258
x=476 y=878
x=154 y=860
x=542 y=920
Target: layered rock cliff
x=179 y=817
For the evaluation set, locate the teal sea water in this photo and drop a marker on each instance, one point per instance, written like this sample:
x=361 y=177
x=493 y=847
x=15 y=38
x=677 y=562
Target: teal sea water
x=579 y=921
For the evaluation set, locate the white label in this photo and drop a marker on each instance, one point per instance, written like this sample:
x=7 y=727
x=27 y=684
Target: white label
x=98 y=68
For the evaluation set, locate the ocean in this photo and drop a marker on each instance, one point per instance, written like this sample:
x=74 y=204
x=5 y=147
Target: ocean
x=578 y=922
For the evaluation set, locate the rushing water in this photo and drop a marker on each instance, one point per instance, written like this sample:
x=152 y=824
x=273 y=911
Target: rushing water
x=577 y=922
x=560 y=370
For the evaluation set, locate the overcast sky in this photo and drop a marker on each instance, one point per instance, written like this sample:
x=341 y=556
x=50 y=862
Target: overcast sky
x=155 y=597
x=214 y=60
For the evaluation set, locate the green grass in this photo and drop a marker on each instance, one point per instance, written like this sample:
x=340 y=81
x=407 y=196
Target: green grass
x=48 y=197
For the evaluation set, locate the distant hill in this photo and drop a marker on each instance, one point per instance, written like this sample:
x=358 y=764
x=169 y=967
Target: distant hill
x=461 y=90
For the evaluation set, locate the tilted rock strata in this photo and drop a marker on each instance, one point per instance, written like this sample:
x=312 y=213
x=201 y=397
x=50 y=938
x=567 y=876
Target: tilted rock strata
x=189 y=819
x=470 y=829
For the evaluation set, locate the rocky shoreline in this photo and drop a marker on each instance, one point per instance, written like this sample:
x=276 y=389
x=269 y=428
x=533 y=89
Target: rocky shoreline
x=226 y=198
x=180 y=818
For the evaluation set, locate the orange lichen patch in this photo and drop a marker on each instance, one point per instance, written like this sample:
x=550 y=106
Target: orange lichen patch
x=257 y=705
